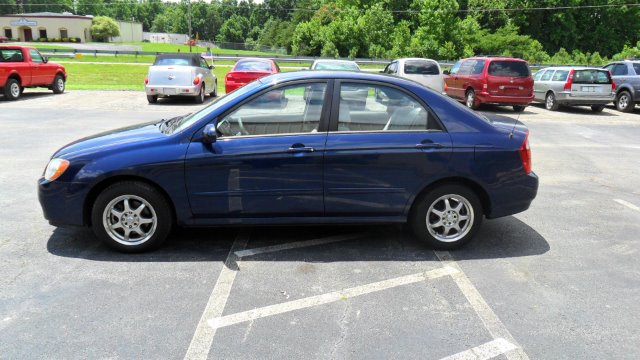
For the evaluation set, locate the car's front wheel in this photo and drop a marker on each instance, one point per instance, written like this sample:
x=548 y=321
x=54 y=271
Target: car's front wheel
x=470 y=99
x=624 y=102
x=447 y=216
x=58 y=84
x=131 y=216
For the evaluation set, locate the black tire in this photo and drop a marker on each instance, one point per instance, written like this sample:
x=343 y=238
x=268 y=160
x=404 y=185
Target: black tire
x=597 y=108
x=472 y=209
x=470 y=100
x=550 y=102
x=200 y=97
x=152 y=99
x=518 y=108
x=214 y=93
x=624 y=101
x=157 y=207
x=21 y=90
x=12 y=89
x=58 y=84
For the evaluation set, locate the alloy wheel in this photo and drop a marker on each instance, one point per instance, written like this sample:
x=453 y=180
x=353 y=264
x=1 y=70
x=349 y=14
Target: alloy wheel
x=129 y=220
x=450 y=218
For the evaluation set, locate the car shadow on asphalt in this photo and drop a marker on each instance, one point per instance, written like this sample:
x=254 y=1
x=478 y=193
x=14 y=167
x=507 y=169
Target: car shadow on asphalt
x=182 y=101
x=586 y=110
x=31 y=95
x=500 y=238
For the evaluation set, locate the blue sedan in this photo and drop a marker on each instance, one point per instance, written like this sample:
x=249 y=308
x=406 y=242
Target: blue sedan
x=294 y=148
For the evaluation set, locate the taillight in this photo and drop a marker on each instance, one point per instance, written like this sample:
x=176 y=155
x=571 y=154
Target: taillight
x=567 y=85
x=196 y=81
x=446 y=87
x=146 y=80
x=525 y=155
x=228 y=77
x=613 y=86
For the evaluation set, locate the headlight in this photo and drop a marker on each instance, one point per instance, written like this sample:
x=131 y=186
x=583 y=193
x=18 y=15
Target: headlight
x=55 y=168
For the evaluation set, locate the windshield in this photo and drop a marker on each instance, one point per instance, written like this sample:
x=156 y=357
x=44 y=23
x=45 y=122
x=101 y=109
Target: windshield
x=221 y=101
x=336 y=66
x=421 y=67
x=253 y=65
x=509 y=68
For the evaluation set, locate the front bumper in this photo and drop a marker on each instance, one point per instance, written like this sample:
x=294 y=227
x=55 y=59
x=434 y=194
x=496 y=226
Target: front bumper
x=62 y=202
x=487 y=98
x=172 y=90
x=566 y=98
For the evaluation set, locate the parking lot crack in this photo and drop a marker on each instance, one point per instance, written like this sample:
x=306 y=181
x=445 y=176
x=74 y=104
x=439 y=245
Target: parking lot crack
x=343 y=323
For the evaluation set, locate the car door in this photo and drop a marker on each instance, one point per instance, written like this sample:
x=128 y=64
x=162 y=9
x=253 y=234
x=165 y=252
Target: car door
x=40 y=73
x=207 y=75
x=538 y=86
x=377 y=158
x=267 y=159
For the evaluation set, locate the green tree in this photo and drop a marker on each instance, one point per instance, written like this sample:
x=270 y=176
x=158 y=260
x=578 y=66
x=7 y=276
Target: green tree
x=104 y=27
x=8 y=7
x=234 y=30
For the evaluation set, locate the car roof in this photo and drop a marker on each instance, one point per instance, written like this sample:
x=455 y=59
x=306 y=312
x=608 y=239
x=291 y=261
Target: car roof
x=335 y=61
x=342 y=75
x=495 y=58
x=414 y=58
x=255 y=59
x=570 y=68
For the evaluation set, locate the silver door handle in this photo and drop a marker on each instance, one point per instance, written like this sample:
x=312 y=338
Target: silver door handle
x=301 y=149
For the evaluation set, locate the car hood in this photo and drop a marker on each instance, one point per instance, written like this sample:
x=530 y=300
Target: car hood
x=112 y=140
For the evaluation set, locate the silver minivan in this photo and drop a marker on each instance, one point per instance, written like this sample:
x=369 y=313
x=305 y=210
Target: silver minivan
x=573 y=86
x=425 y=71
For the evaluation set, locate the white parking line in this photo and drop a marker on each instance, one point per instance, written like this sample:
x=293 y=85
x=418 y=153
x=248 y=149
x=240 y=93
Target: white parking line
x=281 y=308
x=294 y=245
x=203 y=337
x=627 y=204
x=485 y=351
x=490 y=320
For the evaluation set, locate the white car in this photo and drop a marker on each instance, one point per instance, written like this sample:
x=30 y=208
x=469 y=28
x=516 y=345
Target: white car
x=425 y=71
x=343 y=65
x=180 y=75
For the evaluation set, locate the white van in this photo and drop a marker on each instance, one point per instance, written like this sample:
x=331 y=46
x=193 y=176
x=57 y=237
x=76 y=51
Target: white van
x=425 y=71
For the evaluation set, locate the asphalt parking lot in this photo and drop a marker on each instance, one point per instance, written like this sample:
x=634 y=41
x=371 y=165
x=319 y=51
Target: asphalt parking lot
x=559 y=281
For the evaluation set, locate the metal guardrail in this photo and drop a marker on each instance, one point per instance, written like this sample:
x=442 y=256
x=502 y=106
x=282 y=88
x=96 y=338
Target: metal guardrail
x=234 y=57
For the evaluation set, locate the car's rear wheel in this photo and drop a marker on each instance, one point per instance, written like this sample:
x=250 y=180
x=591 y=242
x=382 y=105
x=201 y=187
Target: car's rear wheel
x=550 y=102
x=624 y=102
x=12 y=89
x=447 y=216
x=131 y=216
x=200 y=98
x=58 y=84
x=518 y=108
x=470 y=99
x=597 y=108
x=152 y=99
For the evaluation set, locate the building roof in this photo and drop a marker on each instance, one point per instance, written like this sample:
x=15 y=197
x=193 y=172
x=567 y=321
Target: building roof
x=50 y=15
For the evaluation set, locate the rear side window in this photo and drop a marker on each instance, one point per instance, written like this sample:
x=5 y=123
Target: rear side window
x=547 y=75
x=421 y=67
x=509 y=68
x=620 y=69
x=591 y=77
x=560 y=75
x=252 y=66
x=11 y=55
x=636 y=68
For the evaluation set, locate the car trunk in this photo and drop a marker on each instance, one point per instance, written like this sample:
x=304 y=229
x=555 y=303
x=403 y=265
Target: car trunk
x=170 y=75
x=591 y=83
x=509 y=78
x=434 y=82
x=245 y=77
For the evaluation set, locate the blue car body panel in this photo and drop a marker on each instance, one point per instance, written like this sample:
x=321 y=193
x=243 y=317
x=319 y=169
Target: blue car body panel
x=350 y=177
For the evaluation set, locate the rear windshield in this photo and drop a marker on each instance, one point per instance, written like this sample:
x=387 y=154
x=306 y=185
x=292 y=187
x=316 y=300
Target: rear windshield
x=591 y=77
x=11 y=55
x=421 y=67
x=636 y=67
x=253 y=65
x=173 y=61
x=336 y=66
x=509 y=68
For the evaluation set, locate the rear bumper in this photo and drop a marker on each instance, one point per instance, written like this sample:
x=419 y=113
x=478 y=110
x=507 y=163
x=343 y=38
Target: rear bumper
x=487 y=98
x=172 y=90
x=230 y=86
x=515 y=198
x=567 y=98
x=62 y=203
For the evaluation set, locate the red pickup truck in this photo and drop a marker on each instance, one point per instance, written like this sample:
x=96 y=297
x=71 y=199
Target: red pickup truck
x=22 y=67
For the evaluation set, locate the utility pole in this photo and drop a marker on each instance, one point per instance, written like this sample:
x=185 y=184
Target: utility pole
x=189 y=9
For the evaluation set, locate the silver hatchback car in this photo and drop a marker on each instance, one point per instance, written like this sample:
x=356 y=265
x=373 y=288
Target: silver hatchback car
x=574 y=86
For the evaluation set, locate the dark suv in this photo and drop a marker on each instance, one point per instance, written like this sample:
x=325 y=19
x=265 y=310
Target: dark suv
x=490 y=80
x=626 y=75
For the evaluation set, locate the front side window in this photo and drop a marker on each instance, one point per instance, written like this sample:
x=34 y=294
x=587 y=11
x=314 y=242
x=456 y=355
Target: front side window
x=368 y=107
x=538 y=75
x=509 y=68
x=287 y=110
x=203 y=63
x=560 y=75
x=393 y=67
x=455 y=68
x=547 y=75
x=35 y=56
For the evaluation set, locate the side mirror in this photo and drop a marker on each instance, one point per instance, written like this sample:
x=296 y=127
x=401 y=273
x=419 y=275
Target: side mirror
x=45 y=59
x=209 y=134
x=446 y=72
x=211 y=67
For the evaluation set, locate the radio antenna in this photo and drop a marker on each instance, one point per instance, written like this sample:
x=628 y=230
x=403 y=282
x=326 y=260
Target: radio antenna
x=514 y=124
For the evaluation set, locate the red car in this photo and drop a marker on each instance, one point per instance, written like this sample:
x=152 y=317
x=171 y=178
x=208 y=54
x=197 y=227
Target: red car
x=490 y=80
x=247 y=70
x=23 y=67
